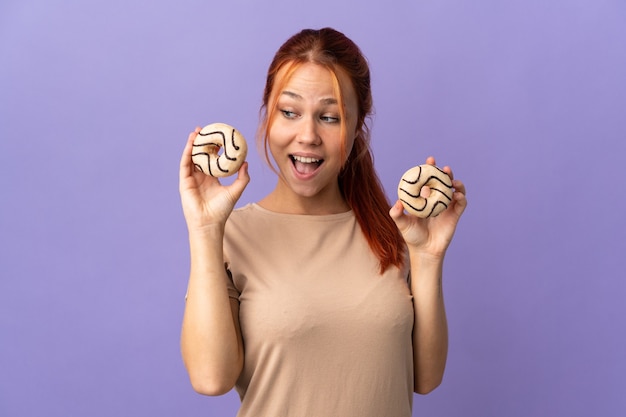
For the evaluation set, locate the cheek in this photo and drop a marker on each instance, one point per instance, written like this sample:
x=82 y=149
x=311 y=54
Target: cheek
x=274 y=148
x=277 y=136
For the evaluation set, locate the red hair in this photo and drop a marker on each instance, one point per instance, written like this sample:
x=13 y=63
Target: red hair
x=358 y=180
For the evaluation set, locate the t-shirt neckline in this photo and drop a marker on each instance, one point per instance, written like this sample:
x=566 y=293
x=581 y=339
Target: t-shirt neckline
x=335 y=216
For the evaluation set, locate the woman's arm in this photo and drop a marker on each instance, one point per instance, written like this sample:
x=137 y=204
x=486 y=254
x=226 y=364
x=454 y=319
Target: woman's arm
x=211 y=342
x=430 y=330
x=427 y=241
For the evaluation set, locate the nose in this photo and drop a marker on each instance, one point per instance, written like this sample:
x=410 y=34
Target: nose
x=309 y=133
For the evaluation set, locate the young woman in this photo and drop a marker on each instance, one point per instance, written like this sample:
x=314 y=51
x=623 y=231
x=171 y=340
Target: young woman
x=320 y=299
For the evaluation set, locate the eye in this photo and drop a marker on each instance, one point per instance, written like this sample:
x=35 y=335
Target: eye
x=288 y=114
x=330 y=118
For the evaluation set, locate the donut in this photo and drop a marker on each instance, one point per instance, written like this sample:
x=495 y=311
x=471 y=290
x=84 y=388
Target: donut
x=411 y=184
x=213 y=138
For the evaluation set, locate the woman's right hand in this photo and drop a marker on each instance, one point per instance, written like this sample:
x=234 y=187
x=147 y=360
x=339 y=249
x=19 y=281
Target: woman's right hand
x=205 y=201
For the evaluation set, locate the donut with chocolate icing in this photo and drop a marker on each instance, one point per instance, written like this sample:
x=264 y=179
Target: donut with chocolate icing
x=411 y=185
x=210 y=141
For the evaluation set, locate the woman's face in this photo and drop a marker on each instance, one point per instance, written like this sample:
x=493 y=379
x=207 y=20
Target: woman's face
x=305 y=136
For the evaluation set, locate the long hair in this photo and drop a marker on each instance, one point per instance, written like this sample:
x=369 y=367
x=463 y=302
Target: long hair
x=358 y=180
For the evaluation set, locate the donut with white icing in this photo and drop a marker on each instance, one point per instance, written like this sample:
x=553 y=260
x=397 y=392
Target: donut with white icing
x=210 y=141
x=434 y=178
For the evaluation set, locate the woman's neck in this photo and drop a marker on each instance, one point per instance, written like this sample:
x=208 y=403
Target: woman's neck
x=284 y=200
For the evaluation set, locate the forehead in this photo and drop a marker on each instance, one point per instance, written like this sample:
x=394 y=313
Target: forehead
x=318 y=80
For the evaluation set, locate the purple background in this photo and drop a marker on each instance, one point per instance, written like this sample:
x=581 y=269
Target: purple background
x=524 y=99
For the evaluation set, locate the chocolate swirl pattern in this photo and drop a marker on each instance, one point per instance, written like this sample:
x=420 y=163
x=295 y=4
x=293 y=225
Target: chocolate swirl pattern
x=412 y=182
x=213 y=138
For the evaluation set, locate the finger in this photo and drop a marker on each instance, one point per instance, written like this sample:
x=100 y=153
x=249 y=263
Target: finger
x=431 y=160
x=459 y=197
x=397 y=214
x=448 y=171
x=459 y=186
x=186 y=166
x=396 y=210
x=239 y=185
x=243 y=175
x=460 y=203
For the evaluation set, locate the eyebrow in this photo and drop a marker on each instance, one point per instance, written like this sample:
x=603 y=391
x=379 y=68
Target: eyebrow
x=295 y=96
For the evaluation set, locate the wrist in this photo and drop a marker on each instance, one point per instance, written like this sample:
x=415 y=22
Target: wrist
x=425 y=257
x=204 y=231
x=426 y=273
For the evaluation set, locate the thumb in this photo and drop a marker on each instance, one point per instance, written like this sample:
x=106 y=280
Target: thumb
x=240 y=183
x=397 y=214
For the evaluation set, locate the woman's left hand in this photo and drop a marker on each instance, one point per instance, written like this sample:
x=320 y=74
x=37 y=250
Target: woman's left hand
x=432 y=235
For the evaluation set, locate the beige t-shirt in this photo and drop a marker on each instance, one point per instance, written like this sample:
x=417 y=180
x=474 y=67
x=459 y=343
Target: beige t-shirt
x=325 y=335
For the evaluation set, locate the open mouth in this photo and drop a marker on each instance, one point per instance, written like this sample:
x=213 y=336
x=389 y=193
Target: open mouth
x=304 y=164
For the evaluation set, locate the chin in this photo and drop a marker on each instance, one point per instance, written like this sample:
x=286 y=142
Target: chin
x=306 y=192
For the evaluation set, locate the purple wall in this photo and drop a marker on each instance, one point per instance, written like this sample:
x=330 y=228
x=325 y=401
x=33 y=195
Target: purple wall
x=526 y=100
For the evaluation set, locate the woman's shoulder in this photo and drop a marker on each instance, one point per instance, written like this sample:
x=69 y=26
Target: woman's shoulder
x=243 y=210
x=243 y=214
x=250 y=215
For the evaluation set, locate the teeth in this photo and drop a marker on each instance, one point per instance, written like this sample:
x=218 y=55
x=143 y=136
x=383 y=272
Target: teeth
x=305 y=160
